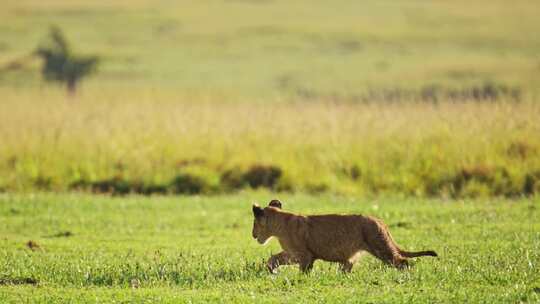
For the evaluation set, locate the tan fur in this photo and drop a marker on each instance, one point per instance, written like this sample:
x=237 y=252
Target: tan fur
x=333 y=238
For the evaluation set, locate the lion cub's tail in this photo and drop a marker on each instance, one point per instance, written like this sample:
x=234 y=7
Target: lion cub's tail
x=409 y=254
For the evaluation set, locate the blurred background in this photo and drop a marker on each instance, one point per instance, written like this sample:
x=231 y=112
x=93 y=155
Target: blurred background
x=417 y=98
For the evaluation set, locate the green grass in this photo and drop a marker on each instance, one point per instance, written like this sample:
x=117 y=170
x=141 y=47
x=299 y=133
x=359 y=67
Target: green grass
x=181 y=249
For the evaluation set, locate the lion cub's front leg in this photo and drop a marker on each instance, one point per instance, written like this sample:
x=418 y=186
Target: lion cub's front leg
x=276 y=260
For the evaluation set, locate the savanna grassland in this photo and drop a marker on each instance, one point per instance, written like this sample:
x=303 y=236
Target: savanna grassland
x=80 y=248
x=203 y=97
x=138 y=187
x=451 y=150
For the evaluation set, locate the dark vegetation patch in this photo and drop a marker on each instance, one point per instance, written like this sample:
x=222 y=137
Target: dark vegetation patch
x=257 y=176
x=43 y=183
x=118 y=186
x=352 y=172
x=432 y=93
x=115 y=185
x=18 y=281
x=405 y=225
x=532 y=183
x=521 y=150
x=61 y=234
x=189 y=184
x=33 y=245
x=473 y=180
x=233 y=179
x=265 y=176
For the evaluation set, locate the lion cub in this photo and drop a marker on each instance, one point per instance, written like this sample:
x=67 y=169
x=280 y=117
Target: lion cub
x=332 y=237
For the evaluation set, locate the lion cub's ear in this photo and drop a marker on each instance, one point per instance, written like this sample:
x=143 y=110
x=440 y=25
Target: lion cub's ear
x=275 y=203
x=257 y=211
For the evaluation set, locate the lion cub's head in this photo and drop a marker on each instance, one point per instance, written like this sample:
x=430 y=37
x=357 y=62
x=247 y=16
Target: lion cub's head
x=262 y=226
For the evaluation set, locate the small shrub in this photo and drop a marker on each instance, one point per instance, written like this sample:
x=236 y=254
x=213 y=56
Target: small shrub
x=79 y=185
x=115 y=186
x=43 y=182
x=257 y=176
x=149 y=189
x=352 y=172
x=118 y=186
x=188 y=184
x=531 y=185
x=232 y=179
x=263 y=176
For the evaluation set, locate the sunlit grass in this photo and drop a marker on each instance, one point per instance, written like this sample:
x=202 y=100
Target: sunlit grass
x=339 y=96
x=167 y=248
x=400 y=147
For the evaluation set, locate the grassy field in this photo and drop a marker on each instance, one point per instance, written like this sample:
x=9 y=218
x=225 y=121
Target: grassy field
x=354 y=97
x=182 y=249
x=424 y=113
x=449 y=149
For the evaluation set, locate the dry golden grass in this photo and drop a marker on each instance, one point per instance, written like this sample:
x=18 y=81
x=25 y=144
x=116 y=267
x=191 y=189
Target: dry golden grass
x=51 y=141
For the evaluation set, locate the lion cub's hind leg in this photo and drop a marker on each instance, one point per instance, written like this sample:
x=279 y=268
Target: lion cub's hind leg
x=345 y=266
x=306 y=264
x=305 y=261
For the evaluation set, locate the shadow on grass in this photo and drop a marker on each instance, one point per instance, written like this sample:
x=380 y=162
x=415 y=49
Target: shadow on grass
x=18 y=281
